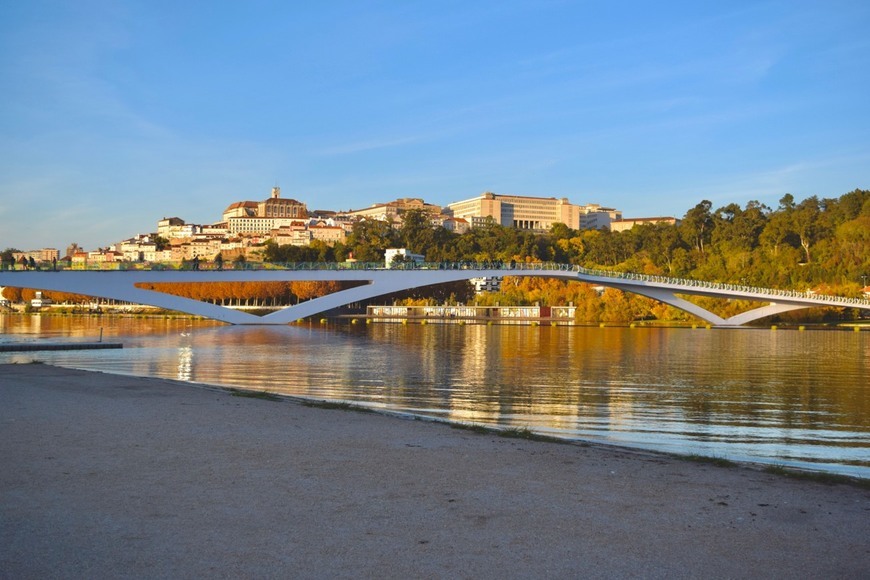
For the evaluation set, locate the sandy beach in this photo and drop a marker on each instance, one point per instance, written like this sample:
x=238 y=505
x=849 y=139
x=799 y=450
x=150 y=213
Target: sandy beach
x=107 y=476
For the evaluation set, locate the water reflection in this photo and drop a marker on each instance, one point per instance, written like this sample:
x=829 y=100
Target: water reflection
x=185 y=363
x=786 y=397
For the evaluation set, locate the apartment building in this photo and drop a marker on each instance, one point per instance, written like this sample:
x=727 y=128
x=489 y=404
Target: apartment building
x=258 y=225
x=596 y=217
x=175 y=228
x=79 y=260
x=291 y=235
x=152 y=254
x=101 y=257
x=218 y=229
x=41 y=255
x=132 y=250
x=204 y=249
x=330 y=235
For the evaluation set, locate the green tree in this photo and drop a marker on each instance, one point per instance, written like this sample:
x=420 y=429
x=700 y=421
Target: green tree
x=777 y=232
x=160 y=243
x=417 y=232
x=7 y=258
x=560 y=231
x=663 y=244
x=738 y=229
x=369 y=239
x=805 y=221
x=697 y=226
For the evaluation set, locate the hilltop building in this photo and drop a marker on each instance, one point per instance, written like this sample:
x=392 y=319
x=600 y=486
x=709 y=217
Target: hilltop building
x=174 y=227
x=622 y=225
x=277 y=207
x=240 y=209
x=392 y=211
x=596 y=217
x=246 y=225
x=528 y=213
x=455 y=225
x=261 y=217
x=327 y=233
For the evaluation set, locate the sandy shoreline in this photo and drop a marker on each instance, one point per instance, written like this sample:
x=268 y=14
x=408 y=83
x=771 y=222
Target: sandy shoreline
x=112 y=476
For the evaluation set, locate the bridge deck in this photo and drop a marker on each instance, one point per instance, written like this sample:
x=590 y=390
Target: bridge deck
x=122 y=285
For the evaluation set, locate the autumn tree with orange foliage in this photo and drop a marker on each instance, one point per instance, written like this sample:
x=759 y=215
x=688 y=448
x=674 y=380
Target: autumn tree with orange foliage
x=249 y=293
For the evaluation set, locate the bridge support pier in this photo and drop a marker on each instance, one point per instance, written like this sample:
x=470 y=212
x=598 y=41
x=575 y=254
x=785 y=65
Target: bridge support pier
x=669 y=296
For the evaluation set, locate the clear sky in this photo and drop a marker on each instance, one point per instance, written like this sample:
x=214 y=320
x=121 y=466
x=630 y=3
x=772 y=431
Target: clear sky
x=114 y=114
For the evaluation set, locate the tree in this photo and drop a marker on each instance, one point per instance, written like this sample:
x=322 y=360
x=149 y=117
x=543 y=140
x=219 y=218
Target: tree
x=160 y=243
x=737 y=229
x=417 y=231
x=697 y=224
x=786 y=203
x=570 y=250
x=12 y=294
x=847 y=207
x=805 y=218
x=7 y=258
x=320 y=251
x=663 y=242
x=560 y=231
x=776 y=232
x=369 y=239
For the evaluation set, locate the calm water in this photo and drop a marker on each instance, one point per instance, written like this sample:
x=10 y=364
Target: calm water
x=783 y=397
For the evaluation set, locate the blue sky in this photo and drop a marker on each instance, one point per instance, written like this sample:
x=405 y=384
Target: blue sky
x=116 y=114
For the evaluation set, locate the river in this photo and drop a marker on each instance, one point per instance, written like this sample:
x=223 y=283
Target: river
x=779 y=397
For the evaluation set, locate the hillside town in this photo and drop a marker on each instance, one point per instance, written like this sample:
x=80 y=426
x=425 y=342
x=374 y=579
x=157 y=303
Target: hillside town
x=245 y=226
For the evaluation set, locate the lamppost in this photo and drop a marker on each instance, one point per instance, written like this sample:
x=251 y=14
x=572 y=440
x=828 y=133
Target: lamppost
x=863 y=281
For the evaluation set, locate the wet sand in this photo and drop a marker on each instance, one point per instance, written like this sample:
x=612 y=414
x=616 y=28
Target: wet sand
x=110 y=476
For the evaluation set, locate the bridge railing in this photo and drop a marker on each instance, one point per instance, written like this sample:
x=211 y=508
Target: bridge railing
x=725 y=287
x=720 y=286
x=502 y=267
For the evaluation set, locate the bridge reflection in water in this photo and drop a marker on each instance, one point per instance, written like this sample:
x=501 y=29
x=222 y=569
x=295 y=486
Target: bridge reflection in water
x=378 y=281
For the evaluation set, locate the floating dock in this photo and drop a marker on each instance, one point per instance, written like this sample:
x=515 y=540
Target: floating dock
x=36 y=346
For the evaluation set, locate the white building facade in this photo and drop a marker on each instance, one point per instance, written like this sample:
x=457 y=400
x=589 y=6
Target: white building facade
x=520 y=212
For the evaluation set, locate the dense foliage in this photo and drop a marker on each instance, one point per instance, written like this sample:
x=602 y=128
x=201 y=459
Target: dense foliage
x=250 y=293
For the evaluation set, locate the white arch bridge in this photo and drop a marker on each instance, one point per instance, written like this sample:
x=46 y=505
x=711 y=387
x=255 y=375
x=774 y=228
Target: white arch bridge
x=378 y=281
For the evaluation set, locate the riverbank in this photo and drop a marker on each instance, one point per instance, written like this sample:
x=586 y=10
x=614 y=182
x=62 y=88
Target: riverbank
x=160 y=314
x=120 y=476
